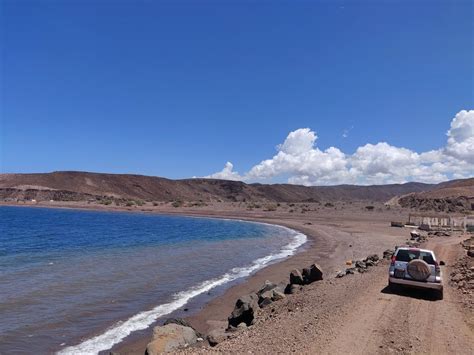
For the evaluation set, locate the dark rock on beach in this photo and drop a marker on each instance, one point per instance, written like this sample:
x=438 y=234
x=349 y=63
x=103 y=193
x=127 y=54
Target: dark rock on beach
x=296 y=278
x=314 y=273
x=244 y=311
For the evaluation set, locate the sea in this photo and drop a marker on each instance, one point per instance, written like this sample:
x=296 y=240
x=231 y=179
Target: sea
x=80 y=281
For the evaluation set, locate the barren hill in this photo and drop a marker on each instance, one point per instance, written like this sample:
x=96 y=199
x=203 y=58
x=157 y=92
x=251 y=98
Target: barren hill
x=450 y=196
x=77 y=186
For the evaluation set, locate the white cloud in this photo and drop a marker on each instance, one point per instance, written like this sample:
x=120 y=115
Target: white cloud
x=461 y=136
x=302 y=162
x=227 y=173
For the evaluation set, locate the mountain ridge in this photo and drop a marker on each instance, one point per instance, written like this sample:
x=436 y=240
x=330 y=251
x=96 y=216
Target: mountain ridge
x=77 y=185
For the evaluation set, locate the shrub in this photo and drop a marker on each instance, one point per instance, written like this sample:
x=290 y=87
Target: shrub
x=270 y=208
x=177 y=203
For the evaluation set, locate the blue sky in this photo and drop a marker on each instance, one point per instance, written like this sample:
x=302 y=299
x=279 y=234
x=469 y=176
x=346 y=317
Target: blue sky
x=178 y=88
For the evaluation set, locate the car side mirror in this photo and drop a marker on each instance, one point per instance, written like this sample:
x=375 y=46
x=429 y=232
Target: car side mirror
x=442 y=263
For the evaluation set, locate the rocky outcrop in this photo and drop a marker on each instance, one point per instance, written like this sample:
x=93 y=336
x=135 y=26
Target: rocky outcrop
x=170 y=337
x=442 y=204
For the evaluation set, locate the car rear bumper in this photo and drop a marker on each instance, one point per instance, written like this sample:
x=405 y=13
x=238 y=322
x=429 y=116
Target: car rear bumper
x=417 y=284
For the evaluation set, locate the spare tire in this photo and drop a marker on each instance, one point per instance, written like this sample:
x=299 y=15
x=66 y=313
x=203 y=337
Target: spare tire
x=418 y=269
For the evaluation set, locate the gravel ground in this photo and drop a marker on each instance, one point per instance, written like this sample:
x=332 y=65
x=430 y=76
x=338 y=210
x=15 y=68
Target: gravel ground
x=358 y=315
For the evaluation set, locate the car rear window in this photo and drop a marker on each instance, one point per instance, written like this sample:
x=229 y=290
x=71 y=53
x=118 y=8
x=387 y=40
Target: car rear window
x=409 y=255
x=428 y=257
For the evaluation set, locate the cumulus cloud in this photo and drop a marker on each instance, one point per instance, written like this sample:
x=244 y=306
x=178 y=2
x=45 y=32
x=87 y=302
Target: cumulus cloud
x=461 y=136
x=227 y=173
x=300 y=160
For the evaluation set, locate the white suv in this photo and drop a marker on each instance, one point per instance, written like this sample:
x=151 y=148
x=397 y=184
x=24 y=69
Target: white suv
x=416 y=268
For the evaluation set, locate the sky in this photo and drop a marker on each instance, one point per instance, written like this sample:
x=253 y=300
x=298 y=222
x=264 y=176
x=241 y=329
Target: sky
x=306 y=92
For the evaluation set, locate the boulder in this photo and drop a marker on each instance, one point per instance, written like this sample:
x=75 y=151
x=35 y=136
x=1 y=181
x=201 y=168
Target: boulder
x=265 y=299
x=269 y=297
x=314 y=273
x=470 y=252
x=267 y=286
x=359 y=264
x=341 y=274
x=170 y=337
x=278 y=295
x=244 y=311
x=296 y=278
x=182 y=322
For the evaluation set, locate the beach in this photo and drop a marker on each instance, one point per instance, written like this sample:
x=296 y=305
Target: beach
x=336 y=233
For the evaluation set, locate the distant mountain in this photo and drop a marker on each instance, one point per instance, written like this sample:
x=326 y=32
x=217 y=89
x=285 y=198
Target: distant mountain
x=78 y=186
x=450 y=196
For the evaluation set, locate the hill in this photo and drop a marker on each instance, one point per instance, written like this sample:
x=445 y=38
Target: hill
x=78 y=186
x=450 y=196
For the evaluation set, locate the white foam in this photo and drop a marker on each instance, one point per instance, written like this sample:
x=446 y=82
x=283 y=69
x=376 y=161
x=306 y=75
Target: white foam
x=143 y=320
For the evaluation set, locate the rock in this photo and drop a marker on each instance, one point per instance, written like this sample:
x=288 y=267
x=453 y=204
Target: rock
x=369 y=263
x=373 y=257
x=182 y=322
x=278 y=295
x=269 y=297
x=457 y=277
x=341 y=274
x=350 y=271
x=217 y=336
x=360 y=264
x=314 y=273
x=242 y=326
x=470 y=252
x=170 y=337
x=265 y=299
x=267 y=286
x=292 y=289
x=296 y=278
x=244 y=311
x=387 y=254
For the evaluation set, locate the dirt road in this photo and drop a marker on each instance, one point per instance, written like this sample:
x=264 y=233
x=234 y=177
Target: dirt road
x=360 y=315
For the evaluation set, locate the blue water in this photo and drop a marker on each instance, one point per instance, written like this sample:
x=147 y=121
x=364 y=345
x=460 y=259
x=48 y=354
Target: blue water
x=81 y=281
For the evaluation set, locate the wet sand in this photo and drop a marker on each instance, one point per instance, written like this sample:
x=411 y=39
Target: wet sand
x=335 y=234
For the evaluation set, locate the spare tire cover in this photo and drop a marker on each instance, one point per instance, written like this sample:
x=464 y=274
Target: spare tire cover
x=418 y=269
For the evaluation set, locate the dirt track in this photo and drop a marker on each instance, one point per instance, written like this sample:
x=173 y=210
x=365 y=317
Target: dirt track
x=359 y=315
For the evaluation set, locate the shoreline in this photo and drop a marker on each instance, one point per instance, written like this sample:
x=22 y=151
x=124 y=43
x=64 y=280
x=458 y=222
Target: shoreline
x=327 y=244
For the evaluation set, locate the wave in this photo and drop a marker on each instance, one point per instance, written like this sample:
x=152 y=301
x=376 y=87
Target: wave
x=143 y=320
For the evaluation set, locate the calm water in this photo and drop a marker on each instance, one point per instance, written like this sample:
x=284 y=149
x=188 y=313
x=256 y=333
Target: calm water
x=81 y=281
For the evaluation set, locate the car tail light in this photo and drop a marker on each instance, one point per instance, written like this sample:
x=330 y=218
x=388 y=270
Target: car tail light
x=437 y=268
x=393 y=260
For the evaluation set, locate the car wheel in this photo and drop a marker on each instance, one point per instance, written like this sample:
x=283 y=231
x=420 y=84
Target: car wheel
x=438 y=294
x=393 y=287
